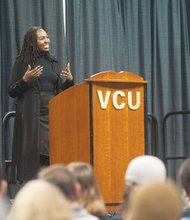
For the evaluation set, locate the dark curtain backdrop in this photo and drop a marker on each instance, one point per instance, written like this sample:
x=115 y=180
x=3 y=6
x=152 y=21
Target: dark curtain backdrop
x=16 y=17
x=146 y=37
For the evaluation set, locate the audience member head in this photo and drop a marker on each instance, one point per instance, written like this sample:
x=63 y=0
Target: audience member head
x=184 y=183
x=91 y=197
x=184 y=176
x=40 y=200
x=58 y=175
x=142 y=170
x=4 y=205
x=155 y=200
x=3 y=184
x=145 y=169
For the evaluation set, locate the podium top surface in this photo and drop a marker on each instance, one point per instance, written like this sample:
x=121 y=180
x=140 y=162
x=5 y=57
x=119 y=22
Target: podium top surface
x=111 y=76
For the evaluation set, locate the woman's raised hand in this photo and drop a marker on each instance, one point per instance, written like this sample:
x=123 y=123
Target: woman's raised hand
x=31 y=74
x=67 y=73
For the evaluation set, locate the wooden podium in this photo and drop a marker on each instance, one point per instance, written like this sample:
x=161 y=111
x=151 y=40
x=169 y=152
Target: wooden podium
x=100 y=121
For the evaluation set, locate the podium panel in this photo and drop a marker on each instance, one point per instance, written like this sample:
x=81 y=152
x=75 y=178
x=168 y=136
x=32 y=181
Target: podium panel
x=117 y=135
x=100 y=121
x=69 y=125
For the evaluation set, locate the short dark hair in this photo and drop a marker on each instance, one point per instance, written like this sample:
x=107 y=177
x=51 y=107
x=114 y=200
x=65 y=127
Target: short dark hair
x=58 y=175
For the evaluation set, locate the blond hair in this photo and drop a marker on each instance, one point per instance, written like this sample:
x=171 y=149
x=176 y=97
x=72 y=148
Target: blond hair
x=91 y=197
x=40 y=200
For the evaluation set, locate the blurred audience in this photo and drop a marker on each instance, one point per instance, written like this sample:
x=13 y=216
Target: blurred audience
x=59 y=176
x=184 y=181
x=155 y=201
x=3 y=184
x=142 y=170
x=91 y=197
x=40 y=200
x=4 y=202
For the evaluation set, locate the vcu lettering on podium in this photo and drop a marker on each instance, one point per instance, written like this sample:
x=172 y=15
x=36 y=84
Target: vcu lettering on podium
x=127 y=99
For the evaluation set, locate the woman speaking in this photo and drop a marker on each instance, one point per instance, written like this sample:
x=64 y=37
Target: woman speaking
x=36 y=78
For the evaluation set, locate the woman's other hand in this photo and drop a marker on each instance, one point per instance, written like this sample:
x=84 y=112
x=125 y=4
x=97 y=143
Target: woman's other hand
x=31 y=74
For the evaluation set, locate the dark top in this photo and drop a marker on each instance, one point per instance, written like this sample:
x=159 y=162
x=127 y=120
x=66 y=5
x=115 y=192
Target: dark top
x=48 y=78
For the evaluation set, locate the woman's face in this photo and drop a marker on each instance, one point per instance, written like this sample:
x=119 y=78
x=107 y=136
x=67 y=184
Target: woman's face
x=43 y=40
